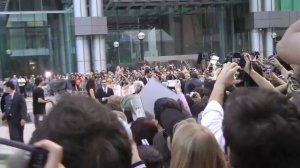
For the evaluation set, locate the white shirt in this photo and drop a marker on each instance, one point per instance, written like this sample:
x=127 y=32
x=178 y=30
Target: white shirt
x=105 y=89
x=21 y=82
x=212 y=119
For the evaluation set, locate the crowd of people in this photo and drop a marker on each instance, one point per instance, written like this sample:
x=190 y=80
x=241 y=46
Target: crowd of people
x=243 y=113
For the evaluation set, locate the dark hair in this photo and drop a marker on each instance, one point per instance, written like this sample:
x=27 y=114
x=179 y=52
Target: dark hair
x=89 y=133
x=113 y=106
x=169 y=118
x=180 y=75
x=10 y=85
x=143 y=128
x=194 y=75
x=160 y=143
x=38 y=80
x=200 y=90
x=147 y=70
x=164 y=103
x=91 y=84
x=150 y=156
x=190 y=87
x=262 y=129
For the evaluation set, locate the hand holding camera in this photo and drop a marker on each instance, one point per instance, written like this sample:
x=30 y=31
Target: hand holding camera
x=248 y=66
x=275 y=63
x=54 y=155
x=226 y=77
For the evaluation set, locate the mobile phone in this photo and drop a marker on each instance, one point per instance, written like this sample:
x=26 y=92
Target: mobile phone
x=16 y=155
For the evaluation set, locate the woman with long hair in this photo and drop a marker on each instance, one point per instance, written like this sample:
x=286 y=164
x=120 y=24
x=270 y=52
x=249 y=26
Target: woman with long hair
x=91 y=88
x=194 y=146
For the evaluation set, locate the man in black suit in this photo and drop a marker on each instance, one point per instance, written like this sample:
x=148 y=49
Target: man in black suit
x=148 y=75
x=104 y=92
x=15 y=112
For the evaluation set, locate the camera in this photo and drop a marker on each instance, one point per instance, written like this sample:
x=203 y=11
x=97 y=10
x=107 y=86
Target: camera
x=16 y=153
x=238 y=58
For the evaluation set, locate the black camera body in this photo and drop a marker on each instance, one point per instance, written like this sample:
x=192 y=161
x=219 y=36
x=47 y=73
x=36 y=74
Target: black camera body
x=238 y=58
x=33 y=157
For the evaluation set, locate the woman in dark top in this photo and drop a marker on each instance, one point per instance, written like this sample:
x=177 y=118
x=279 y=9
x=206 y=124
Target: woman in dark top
x=91 y=88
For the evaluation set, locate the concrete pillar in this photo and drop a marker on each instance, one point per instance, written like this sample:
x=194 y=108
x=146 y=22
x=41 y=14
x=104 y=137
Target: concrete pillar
x=82 y=50
x=256 y=35
x=268 y=45
x=98 y=41
x=255 y=40
x=82 y=43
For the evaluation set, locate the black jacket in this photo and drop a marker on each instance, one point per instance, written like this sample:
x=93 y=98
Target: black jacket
x=100 y=94
x=18 y=109
x=3 y=102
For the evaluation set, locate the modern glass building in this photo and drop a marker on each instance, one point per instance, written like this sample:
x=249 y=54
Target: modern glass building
x=78 y=35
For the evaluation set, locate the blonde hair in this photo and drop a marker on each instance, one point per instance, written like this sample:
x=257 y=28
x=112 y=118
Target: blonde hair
x=194 y=146
x=138 y=86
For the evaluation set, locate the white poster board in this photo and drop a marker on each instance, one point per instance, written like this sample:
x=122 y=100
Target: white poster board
x=137 y=106
x=153 y=91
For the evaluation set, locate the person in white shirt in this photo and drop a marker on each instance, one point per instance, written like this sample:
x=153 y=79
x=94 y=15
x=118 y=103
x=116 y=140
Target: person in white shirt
x=22 y=86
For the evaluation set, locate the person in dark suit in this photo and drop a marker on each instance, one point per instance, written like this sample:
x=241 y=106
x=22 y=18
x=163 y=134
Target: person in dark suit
x=147 y=77
x=104 y=92
x=15 y=112
x=3 y=102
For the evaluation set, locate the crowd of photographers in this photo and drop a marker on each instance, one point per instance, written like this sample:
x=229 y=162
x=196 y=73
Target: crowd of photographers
x=243 y=114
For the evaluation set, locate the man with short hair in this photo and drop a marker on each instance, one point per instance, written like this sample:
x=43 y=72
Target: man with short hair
x=15 y=112
x=104 y=92
x=261 y=129
x=148 y=75
x=39 y=102
x=258 y=128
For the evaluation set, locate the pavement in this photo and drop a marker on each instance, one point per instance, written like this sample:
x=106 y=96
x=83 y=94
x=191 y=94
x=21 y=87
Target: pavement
x=29 y=127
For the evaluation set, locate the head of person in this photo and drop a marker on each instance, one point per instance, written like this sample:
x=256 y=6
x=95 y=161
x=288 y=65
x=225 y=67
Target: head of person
x=195 y=146
x=143 y=128
x=138 y=86
x=180 y=75
x=90 y=134
x=150 y=156
x=114 y=99
x=187 y=76
x=103 y=82
x=261 y=129
x=190 y=87
x=148 y=73
x=38 y=81
x=194 y=75
x=9 y=87
x=168 y=119
x=91 y=84
x=109 y=80
x=162 y=104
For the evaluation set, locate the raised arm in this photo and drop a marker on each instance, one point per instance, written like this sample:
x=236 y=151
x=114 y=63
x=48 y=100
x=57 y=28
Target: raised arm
x=259 y=80
x=212 y=116
x=288 y=47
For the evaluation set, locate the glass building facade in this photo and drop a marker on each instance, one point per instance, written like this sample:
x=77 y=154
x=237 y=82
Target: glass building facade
x=35 y=36
x=177 y=30
x=39 y=35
